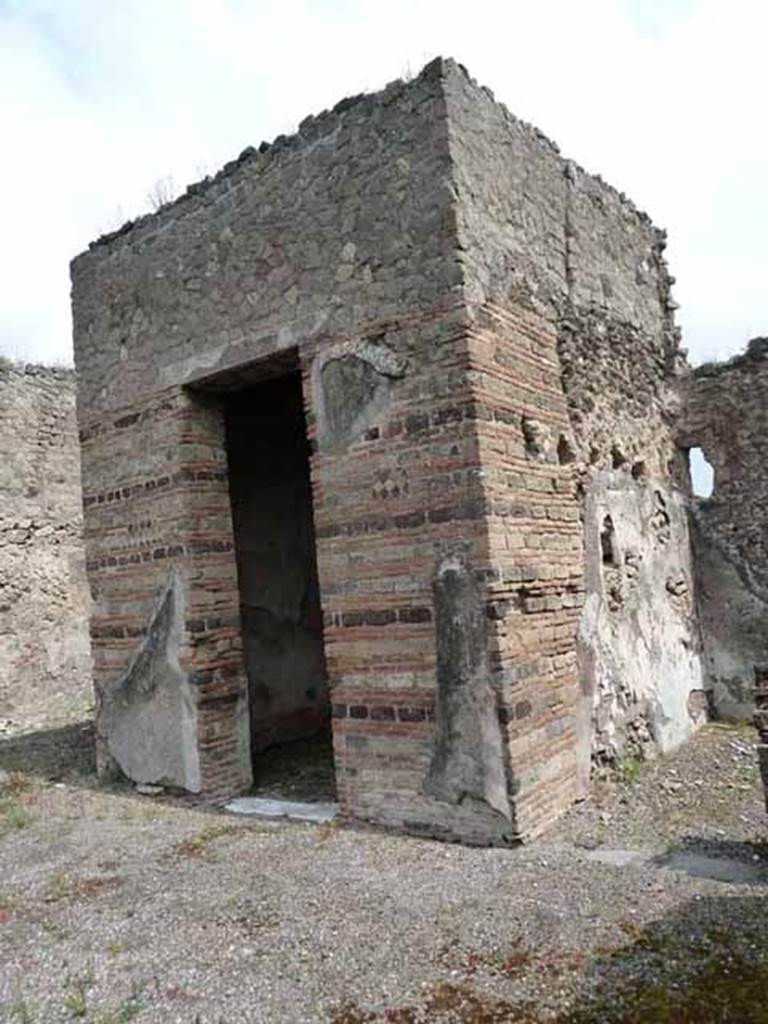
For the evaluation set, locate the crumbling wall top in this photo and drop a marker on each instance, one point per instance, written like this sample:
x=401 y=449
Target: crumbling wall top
x=10 y=369
x=539 y=230
x=339 y=230
x=755 y=352
x=319 y=126
x=314 y=128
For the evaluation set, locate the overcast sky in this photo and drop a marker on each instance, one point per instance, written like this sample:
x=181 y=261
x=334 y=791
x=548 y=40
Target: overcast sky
x=99 y=99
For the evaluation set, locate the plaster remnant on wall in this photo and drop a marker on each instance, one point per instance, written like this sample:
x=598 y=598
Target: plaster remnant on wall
x=148 y=717
x=467 y=766
x=638 y=635
x=356 y=381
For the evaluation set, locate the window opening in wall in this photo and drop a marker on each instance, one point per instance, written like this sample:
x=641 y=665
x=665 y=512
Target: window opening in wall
x=271 y=496
x=702 y=473
x=606 y=542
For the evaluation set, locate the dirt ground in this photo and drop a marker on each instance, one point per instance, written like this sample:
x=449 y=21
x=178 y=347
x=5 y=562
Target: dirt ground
x=648 y=903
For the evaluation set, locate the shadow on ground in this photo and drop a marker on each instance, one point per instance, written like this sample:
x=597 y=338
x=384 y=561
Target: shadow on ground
x=301 y=770
x=707 y=964
x=734 y=849
x=64 y=754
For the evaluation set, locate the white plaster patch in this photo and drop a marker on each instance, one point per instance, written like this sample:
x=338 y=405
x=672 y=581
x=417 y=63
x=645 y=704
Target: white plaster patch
x=266 y=807
x=638 y=644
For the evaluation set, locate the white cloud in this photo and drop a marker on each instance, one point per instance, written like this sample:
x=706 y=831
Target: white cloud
x=98 y=101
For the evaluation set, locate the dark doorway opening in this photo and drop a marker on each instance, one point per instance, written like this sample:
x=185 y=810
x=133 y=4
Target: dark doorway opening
x=271 y=495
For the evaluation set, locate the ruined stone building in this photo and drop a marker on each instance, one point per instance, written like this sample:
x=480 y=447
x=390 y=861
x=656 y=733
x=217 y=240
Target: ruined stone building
x=385 y=426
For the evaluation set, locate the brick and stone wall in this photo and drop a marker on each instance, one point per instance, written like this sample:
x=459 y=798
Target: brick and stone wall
x=44 y=602
x=467 y=310
x=336 y=242
x=535 y=580
x=538 y=233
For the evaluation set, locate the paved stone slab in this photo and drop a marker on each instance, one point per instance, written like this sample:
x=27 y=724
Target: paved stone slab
x=273 y=808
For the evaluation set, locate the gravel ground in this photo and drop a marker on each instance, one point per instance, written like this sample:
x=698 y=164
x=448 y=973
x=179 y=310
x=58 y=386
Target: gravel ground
x=647 y=903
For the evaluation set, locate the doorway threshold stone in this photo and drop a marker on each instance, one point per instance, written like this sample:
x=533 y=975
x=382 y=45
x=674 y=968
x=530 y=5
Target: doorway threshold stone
x=267 y=807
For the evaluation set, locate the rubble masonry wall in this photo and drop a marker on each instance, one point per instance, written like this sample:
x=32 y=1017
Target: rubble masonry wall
x=44 y=601
x=724 y=411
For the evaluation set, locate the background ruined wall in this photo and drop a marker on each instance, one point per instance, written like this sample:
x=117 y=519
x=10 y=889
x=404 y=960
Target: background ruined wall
x=44 y=600
x=725 y=413
x=538 y=233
